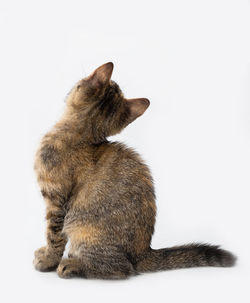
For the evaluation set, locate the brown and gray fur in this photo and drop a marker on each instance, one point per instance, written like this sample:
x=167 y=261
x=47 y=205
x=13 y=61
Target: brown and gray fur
x=99 y=195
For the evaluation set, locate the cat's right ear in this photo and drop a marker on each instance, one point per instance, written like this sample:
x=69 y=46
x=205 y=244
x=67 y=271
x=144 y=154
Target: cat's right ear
x=102 y=75
x=137 y=107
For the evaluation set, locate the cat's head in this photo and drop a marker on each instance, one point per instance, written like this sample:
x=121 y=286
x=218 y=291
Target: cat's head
x=99 y=102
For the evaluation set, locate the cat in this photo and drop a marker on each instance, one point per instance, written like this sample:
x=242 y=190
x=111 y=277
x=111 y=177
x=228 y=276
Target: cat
x=100 y=196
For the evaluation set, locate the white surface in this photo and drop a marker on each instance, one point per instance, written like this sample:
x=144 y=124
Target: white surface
x=191 y=59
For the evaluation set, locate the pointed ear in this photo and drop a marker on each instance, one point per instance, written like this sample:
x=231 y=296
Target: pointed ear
x=101 y=75
x=137 y=107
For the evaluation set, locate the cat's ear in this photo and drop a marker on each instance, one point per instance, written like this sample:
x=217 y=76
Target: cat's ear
x=137 y=107
x=102 y=75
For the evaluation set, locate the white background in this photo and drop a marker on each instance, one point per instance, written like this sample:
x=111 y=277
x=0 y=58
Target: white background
x=191 y=59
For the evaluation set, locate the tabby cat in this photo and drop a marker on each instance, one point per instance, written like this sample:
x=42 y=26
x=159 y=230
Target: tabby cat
x=99 y=195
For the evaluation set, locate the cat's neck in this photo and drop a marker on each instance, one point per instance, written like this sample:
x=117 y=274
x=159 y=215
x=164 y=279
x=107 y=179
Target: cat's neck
x=71 y=131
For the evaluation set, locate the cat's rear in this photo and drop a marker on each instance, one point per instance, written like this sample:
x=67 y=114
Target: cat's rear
x=100 y=195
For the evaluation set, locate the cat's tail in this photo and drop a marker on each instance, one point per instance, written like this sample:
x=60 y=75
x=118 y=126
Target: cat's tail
x=191 y=255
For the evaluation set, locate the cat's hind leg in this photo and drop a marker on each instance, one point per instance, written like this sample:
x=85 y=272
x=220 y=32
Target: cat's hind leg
x=97 y=262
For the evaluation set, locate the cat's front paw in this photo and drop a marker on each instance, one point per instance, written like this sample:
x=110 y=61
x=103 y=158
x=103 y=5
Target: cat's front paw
x=69 y=268
x=45 y=260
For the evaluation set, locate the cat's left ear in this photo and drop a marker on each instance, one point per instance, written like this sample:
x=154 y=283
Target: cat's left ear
x=137 y=107
x=102 y=75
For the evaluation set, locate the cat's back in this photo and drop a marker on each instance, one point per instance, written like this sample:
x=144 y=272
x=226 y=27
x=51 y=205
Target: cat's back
x=116 y=171
x=116 y=196
x=119 y=159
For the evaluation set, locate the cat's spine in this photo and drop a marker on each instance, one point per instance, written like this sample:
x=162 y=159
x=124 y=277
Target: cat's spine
x=192 y=255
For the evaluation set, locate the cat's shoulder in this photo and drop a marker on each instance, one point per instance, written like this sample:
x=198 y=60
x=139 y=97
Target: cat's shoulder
x=122 y=147
x=125 y=152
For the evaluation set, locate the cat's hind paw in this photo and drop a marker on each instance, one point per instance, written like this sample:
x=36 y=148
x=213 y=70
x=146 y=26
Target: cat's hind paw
x=69 y=268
